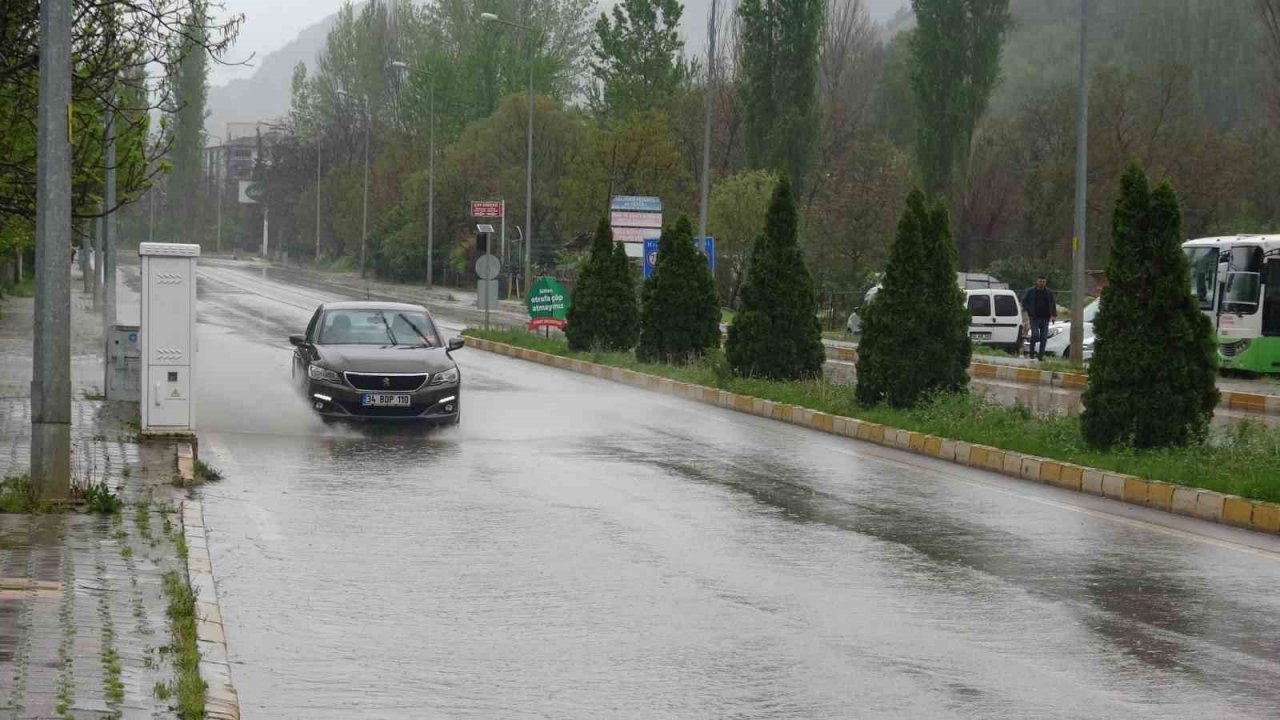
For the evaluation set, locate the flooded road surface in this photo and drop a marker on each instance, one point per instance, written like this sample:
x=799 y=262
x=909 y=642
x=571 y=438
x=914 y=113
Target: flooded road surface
x=581 y=549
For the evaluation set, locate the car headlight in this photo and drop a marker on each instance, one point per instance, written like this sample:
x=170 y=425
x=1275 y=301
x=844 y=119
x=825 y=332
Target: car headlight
x=315 y=372
x=446 y=377
x=1054 y=332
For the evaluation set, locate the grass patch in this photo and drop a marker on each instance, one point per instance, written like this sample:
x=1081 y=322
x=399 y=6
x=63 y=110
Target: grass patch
x=1242 y=459
x=205 y=473
x=186 y=653
x=726 y=315
x=101 y=499
x=142 y=518
x=162 y=691
x=17 y=495
x=24 y=289
x=180 y=542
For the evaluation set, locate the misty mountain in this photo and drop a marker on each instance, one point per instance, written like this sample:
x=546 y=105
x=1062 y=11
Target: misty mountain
x=265 y=95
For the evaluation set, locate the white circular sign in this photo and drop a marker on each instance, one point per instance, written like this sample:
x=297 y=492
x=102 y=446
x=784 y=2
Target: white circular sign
x=488 y=267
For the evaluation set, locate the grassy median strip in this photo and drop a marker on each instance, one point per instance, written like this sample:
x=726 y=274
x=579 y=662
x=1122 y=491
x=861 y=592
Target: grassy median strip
x=1242 y=459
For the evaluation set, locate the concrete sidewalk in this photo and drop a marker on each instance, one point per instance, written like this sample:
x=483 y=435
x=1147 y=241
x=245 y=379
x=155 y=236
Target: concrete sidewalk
x=83 y=625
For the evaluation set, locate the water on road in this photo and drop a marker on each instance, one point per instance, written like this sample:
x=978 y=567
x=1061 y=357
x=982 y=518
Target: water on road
x=582 y=549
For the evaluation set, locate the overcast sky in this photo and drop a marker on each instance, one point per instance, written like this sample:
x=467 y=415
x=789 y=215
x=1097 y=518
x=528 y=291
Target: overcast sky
x=271 y=24
x=268 y=25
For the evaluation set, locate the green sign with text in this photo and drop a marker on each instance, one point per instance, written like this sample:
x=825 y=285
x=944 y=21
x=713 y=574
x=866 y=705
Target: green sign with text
x=548 y=304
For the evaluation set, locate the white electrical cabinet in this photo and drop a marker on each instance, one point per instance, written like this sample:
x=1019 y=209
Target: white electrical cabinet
x=167 y=339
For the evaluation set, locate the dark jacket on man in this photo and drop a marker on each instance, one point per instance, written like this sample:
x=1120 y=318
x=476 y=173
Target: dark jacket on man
x=1039 y=304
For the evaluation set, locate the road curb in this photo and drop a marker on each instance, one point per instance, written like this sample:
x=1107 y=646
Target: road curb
x=1208 y=505
x=220 y=699
x=1251 y=403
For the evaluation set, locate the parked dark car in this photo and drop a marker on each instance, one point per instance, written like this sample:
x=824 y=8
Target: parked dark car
x=377 y=361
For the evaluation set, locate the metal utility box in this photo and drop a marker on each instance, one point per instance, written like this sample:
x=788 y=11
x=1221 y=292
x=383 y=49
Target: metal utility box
x=124 y=364
x=167 y=341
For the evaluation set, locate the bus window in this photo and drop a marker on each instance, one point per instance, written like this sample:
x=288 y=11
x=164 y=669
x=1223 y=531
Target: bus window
x=1244 y=280
x=1204 y=275
x=1271 y=300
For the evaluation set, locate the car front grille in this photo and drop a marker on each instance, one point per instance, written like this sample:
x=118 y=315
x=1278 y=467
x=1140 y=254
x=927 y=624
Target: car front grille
x=1232 y=349
x=385 y=383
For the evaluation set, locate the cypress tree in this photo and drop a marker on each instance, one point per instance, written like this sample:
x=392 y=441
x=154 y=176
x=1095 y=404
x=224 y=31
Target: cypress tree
x=679 y=312
x=622 y=321
x=586 y=320
x=776 y=333
x=1152 y=378
x=915 y=332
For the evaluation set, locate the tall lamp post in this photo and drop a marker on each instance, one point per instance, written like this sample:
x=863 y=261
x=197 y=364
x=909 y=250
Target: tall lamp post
x=431 y=170
x=528 y=178
x=364 y=222
x=1082 y=189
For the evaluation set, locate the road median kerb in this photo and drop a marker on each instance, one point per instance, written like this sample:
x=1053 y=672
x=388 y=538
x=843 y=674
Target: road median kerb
x=221 y=701
x=1207 y=505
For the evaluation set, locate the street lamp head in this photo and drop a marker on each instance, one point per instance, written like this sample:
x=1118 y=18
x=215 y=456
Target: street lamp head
x=488 y=17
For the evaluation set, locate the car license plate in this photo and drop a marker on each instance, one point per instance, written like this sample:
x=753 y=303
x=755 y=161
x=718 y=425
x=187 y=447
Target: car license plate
x=979 y=336
x=384 y=400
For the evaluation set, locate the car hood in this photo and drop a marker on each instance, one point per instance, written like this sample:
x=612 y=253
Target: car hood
x=388 y=359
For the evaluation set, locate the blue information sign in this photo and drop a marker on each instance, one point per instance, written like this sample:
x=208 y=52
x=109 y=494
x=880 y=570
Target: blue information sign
x=651 y=254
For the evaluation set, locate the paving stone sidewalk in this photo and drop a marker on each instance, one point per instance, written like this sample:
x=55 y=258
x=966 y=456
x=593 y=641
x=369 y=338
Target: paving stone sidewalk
x=83 y=626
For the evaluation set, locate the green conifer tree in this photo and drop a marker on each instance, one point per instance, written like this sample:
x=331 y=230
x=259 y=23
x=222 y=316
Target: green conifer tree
x=679 y=314
x=1152 y=378
x=776 y=333
x=915 y=332
x=622 y=321
x=585 y=326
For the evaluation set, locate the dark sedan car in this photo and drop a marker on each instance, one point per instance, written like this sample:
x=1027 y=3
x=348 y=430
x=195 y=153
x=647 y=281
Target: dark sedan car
x=377 y=361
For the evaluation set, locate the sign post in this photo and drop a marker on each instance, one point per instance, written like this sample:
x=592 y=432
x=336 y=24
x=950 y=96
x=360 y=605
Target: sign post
x=487 y=268
x=548 y=304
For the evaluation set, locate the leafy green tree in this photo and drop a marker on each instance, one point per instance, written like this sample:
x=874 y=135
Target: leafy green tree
x=779 y=68
x=1152 y=379
x=638 y=59
x=635 y=157
x=955 y=62
x=735 y=213
x=679 y=314
x=776 y=334
x=915 y=332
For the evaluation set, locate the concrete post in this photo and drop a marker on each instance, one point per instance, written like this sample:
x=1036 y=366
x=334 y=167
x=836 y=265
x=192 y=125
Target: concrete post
x=1078 y=253
x=51 y=359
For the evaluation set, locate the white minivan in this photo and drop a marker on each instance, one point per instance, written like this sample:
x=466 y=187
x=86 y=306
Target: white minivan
x=995 y=319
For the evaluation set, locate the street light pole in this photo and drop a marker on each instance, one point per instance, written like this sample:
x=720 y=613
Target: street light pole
x=528 y=178
x=706 y=130
x=51 y=345
x=319 y=145
x=1082 y=188
x=431 y=183
x=364 y=221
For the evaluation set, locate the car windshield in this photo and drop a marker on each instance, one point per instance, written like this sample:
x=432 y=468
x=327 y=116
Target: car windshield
x=377 y=327
x=1090 y=311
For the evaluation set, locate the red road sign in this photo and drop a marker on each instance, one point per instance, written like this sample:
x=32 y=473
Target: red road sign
x=486 y=208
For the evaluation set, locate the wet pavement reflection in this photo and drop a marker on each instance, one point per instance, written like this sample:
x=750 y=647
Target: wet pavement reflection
x=580 y=549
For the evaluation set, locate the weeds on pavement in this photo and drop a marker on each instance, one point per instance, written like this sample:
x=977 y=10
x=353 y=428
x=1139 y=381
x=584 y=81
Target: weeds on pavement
x=186 y=652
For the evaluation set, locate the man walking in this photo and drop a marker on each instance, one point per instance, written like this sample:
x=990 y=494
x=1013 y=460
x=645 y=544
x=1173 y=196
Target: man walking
x=1042 y=308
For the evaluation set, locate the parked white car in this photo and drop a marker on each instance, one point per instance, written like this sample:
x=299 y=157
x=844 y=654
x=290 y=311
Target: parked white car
x=1059 y=343
x=995 y=319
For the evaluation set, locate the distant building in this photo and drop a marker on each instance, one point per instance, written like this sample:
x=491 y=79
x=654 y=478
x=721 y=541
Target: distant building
x=234 y=158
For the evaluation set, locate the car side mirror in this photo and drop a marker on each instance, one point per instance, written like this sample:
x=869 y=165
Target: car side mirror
x=456 y=344
x=298 y=340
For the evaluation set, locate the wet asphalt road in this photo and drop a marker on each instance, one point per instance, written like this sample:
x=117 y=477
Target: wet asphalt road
x=581 y=549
